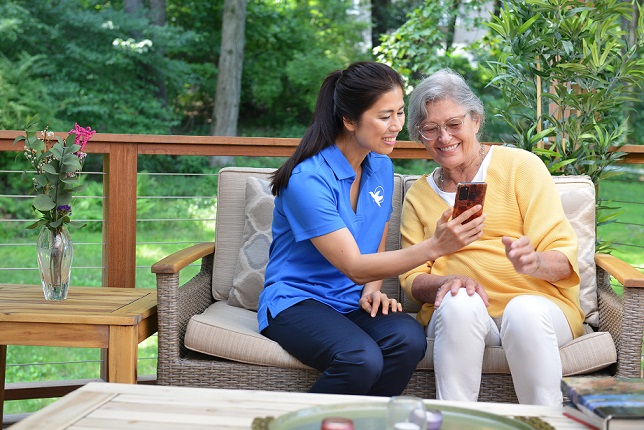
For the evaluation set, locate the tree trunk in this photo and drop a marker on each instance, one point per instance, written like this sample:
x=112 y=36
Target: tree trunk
x=158 y=17
x=379 y=9
x=231 y=58
x=451 y=27
x=157 y=12
x=134 y=8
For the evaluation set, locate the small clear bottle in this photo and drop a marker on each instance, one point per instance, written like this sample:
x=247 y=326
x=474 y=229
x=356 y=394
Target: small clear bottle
x=434 y=419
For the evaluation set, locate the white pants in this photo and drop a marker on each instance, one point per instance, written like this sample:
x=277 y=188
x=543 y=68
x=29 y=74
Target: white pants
x=532 y=329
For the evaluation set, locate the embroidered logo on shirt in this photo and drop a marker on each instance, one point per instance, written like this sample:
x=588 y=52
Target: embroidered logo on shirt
x=377 y=196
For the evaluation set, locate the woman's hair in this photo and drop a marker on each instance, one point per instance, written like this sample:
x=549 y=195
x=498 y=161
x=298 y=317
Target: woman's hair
x=444 y=84
x=344 y=94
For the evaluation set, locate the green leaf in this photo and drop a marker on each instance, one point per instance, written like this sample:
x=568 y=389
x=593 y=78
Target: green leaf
x=38 y=223
x=57 y=223
x=64 y=196
x=79 y=189
x=527 y=24
x=76 y=224
x=41 y=180
x=34 y=143
x=43 y=203
x=57 y=151
x=18 y=139
x=48 y=168
x=561 y=164
x=71 y=163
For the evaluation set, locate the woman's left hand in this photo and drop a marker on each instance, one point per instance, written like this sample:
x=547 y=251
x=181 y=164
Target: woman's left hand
x=371 y=302
x=522 y=254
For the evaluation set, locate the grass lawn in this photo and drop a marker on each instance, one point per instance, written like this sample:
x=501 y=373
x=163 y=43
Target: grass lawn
x=627 y=232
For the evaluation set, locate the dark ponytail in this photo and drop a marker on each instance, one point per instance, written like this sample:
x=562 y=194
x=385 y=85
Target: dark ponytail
x=344 y=94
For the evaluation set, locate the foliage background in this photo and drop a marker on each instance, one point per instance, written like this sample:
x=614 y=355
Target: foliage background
x=89 y=61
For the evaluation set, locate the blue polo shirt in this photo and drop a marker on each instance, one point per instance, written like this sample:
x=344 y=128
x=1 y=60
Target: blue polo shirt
x=317 y=202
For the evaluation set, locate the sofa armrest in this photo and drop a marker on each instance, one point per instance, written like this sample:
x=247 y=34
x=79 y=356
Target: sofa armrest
x=622 y=316
x=176 y=303
x=625 y=274
x=173 y=263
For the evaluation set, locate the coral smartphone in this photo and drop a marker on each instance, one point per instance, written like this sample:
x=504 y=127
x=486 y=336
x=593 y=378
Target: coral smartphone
x=469 y=194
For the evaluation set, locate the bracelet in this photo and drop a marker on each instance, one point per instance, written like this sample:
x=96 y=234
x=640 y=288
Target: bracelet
x=539 y=261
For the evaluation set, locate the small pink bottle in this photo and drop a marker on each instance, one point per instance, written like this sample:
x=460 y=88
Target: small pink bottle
x=336 y=423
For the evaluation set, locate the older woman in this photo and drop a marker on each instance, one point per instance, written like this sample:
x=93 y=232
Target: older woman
x=518 y=285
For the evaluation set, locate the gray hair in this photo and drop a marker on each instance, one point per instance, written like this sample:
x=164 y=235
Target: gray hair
x=441 y=85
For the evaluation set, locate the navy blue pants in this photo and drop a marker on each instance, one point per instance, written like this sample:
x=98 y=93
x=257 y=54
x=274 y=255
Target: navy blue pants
x=357 y=353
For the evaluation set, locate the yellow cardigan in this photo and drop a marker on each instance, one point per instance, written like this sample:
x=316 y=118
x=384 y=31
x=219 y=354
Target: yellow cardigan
x=521 y=200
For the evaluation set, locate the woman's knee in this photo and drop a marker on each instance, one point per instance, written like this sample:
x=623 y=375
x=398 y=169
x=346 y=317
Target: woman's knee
x=410 y=337
x=362 y=365
x=462 y=307
x=536 y=320
x=527 y=318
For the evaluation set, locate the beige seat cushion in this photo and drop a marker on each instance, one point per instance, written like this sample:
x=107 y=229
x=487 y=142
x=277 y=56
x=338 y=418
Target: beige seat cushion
x=231 y=332
x=588 y=353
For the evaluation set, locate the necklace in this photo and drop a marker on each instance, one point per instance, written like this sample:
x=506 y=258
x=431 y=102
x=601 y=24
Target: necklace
x=440 y=172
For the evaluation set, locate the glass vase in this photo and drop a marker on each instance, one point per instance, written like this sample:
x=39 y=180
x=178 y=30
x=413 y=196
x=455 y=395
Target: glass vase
x=55 y=254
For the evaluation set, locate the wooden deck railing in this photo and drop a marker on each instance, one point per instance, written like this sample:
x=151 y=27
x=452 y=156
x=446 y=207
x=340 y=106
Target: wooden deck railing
x=120 y=153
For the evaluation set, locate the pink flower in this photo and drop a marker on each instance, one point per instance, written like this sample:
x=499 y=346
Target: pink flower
x=82 y=135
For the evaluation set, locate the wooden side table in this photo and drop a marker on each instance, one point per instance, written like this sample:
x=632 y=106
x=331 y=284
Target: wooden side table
x=115 y=319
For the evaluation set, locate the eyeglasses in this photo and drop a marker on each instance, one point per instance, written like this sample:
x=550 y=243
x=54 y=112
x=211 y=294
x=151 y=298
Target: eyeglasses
x=431 y=131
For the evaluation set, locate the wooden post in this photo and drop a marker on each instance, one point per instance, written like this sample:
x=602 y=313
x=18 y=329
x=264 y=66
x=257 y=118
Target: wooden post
x=119 y=216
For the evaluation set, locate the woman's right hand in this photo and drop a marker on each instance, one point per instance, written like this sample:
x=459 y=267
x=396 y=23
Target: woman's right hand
x=452 y=235
x=453 y=283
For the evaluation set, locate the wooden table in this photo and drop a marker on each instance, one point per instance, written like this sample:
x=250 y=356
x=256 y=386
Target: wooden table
x=115 y=319
x=118 y=406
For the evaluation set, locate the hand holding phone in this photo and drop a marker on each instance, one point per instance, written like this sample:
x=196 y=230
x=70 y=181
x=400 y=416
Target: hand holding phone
x=469 y=194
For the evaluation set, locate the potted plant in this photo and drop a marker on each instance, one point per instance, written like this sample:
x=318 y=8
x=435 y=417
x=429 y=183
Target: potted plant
x=565 y=76
x=564 y=71
x=56 y=163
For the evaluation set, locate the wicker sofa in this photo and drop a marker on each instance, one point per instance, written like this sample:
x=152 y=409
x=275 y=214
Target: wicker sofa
x=208 y=334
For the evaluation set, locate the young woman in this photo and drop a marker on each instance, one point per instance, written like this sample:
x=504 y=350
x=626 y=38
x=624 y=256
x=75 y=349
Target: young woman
x=321 y=300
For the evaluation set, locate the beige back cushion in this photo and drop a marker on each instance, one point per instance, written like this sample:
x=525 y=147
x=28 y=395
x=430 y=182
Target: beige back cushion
x=578 y=199
x=248 y=279
x=391 y=286
x=239 y=201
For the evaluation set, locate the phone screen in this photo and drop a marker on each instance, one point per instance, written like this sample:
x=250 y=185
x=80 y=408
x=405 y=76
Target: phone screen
x=469 y=194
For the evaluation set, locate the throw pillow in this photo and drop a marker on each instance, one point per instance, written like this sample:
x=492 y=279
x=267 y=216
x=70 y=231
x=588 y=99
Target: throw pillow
x=579 y=205
x=248 y=280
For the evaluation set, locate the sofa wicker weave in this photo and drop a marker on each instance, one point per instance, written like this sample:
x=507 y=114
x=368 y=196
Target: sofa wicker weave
x=205 y=341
